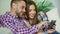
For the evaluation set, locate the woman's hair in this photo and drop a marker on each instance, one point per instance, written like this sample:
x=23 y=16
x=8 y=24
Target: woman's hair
x=29 y=3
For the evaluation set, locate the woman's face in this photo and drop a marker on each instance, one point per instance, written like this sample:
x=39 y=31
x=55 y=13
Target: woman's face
x=32 y=11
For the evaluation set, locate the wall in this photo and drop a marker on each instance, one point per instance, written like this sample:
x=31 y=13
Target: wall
x=4 y=6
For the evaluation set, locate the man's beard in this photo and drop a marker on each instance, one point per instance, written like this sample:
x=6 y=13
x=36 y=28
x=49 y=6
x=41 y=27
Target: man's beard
x=20 y=15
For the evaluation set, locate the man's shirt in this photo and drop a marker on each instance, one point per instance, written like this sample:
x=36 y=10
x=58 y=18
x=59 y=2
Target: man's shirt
x=17 y=25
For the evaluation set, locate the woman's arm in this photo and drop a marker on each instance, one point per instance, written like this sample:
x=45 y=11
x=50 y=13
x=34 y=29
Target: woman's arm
x=27 y=23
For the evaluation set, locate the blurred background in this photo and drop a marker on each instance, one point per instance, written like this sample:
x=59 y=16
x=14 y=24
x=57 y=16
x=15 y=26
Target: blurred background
x=51 y=7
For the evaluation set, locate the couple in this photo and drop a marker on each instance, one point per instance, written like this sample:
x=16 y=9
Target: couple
x=22 y=18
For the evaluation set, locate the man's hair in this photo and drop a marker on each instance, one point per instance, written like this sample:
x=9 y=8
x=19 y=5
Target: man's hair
x=15 y=1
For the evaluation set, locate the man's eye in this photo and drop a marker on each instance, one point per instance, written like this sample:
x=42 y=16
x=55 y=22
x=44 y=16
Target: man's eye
x=22 y=7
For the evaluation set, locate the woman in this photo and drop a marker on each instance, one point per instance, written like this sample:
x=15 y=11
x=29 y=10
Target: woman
x=32 y=15
x=31 y=12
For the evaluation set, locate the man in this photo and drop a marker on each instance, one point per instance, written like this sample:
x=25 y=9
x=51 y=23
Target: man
x=14 y=20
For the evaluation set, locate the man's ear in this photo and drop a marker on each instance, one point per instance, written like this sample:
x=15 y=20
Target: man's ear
x=14 y=6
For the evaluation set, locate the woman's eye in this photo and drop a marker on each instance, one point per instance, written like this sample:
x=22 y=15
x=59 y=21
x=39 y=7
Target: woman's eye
x=30 y=10
x=34 y=10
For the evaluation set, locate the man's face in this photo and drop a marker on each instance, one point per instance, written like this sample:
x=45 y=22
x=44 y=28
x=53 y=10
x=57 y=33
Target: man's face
x=20 y=10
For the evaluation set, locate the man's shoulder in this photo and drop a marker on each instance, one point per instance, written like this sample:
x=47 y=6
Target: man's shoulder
x=4 y=17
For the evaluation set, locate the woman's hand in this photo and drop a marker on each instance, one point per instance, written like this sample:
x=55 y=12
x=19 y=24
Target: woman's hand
x=50 y=31
x=42 y=24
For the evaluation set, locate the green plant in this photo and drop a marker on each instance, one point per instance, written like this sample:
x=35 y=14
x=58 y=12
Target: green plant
x=43 y=5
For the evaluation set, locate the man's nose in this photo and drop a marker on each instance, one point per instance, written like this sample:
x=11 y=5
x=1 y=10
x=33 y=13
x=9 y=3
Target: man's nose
x=24 y=10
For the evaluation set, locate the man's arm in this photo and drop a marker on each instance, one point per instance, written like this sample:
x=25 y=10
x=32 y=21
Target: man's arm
x=31 y=29
x=7 y=24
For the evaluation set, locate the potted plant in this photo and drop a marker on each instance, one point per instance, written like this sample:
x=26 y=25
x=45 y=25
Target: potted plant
x=43 y=5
